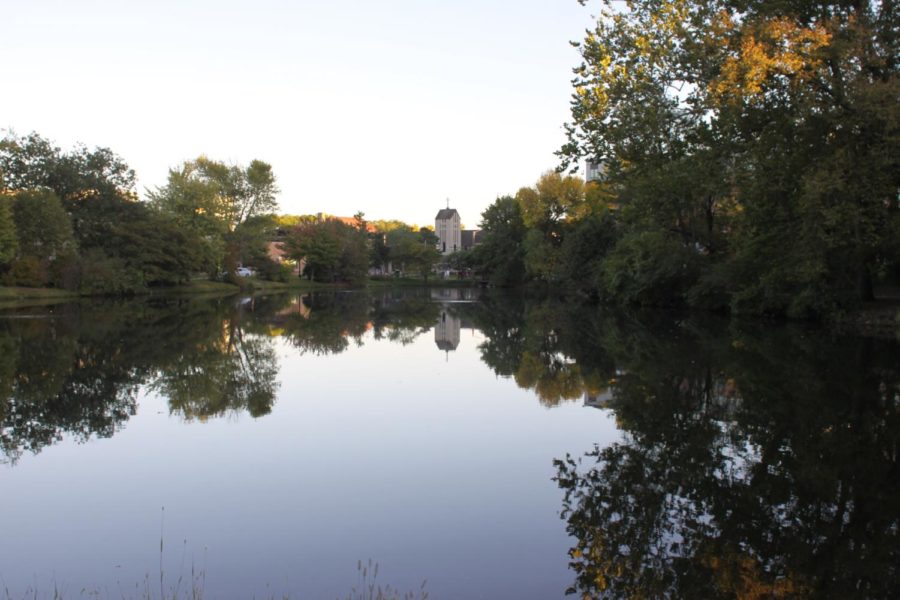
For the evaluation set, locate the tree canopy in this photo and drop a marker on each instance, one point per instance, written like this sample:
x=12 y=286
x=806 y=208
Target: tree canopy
x=31 y=161
x=757 y=139
x=227 y=195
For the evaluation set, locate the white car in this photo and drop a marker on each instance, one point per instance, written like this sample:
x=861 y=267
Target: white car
x=245 y=272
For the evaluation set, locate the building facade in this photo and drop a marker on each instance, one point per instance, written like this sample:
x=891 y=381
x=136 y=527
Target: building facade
x=594 y=170
x=447 y=227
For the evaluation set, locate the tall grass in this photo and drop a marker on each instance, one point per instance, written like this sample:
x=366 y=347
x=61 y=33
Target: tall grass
x=368 y=589
x=194 y=587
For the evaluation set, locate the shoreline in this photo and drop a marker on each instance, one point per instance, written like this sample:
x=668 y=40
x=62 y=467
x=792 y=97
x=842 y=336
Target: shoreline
x=878 y=319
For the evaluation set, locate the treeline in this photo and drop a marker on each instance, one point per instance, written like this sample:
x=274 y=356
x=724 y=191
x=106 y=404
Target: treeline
x=332 y=249
x=72 y=220
x=748 y=156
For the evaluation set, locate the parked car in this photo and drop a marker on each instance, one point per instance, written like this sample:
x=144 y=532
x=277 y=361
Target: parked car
x=245 y=272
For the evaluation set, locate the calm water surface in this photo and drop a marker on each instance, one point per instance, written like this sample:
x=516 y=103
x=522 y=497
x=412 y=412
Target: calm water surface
x=498 y=447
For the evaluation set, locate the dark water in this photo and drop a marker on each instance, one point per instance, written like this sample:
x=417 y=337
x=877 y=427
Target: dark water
x=497 y=446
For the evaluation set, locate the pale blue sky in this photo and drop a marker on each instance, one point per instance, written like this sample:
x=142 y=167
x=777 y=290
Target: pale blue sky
x=386 y=107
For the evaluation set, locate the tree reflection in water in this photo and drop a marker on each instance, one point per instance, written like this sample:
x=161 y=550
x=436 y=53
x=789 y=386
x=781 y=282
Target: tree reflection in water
x=754 y=464
x=551 y=347
x=77 y=369
x=754 y=461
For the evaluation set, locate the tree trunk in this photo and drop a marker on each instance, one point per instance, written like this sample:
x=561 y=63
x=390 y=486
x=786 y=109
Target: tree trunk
x=864 y=285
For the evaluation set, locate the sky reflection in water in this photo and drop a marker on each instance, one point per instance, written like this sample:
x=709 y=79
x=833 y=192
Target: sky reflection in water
x=370 y=441
x=289 y=437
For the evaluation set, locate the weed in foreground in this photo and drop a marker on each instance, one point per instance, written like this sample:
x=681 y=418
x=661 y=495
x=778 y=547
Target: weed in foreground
x=368 y=589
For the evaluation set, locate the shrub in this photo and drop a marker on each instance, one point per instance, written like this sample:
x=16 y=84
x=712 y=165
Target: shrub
x=101 y=274
x=27 y=271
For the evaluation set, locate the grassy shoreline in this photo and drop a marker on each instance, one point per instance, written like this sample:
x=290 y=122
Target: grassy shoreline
x=876 y=319
x=26 y=296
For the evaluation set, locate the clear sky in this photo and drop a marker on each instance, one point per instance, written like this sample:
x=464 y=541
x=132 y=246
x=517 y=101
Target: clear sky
x=386 y=107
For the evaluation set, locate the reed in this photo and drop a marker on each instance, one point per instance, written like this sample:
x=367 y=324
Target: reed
x=367 y=587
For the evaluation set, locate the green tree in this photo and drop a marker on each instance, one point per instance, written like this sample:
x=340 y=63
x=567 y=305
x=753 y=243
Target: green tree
x=43 y=226
x=413 y=251
x=501 y=255
x=9 y=241
x=379 y=251
x=211 y=194
x=760 y=136
x=93 y=185
x=332 y=250
x=225 y=206
x=31 y=162
x=191 y=202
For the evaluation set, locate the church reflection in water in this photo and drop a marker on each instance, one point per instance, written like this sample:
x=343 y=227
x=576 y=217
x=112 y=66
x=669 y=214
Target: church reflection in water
x=446 y=331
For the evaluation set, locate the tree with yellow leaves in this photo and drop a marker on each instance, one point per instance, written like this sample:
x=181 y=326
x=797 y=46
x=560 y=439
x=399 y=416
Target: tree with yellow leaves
x=759 y=137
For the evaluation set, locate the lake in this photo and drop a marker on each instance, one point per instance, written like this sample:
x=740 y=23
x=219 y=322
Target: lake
x=497 y=446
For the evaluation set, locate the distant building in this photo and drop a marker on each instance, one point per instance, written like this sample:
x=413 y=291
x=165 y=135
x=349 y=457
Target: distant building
x=598 y=399
x=594 y=170
x=275 y=252
x=469 y=238
x=447 y=226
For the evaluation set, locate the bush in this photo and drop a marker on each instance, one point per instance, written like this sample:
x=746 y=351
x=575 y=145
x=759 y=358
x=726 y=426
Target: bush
x=272 y=271
x=27 y=271
x=101 y=274
x=651 y=268
x=65 y=272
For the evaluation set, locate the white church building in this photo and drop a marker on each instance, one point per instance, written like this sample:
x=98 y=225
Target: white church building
x=448 y=228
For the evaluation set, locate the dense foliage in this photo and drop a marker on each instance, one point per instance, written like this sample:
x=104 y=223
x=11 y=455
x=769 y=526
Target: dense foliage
x=748 y=151
x=344 y=250
x=332 y=250
x=71 y=219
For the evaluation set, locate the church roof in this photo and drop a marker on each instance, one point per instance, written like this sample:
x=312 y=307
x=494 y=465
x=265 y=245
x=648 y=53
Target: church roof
x=446 y=213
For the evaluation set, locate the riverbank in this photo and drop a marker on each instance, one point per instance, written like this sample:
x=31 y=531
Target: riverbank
x=11 y=297
x=877 y=319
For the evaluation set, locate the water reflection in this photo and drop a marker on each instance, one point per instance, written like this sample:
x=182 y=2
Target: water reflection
x=754 y=463
x=76 y=370
x=327 y=323
x=550 y=347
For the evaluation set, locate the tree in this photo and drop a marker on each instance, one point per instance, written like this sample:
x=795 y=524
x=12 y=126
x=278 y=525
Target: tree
x=379 y=252
x=30 y=162
x=226 y=195
x=259 y=196
x=332 y=250
x=761 y=136
x=548 y=210
x=9 y=242
x=42 y=225
x=222 y=205
x=500 y=255
x=413 y=250
x=156 y=247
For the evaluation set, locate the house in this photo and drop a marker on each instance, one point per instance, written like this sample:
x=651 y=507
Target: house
x=275 y=252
